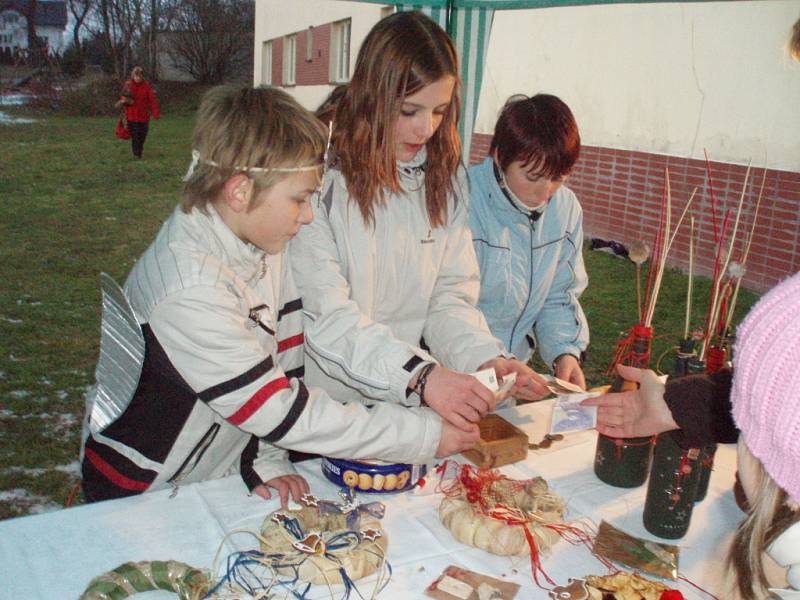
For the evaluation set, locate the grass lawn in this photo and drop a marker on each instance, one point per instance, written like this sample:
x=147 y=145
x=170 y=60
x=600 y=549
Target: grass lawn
x=75 y=203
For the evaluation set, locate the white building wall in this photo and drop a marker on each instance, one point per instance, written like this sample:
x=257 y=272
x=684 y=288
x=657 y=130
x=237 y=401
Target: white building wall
x=665 y=78
x=275 y=18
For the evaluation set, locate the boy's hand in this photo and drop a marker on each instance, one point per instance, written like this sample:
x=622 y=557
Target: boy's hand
x=636 y=413
x=460 y=399
x=529 y=384
x=569 y=369
x=455 y=439
x=285 y=484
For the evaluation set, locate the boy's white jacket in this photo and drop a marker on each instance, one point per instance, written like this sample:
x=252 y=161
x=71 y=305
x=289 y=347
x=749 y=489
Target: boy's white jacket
x=220 y=392
x=372 y=292
x=532 y=274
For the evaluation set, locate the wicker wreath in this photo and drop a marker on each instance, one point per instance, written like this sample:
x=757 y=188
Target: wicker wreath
x=323 y=547
x=130 y=578
x=491 y=512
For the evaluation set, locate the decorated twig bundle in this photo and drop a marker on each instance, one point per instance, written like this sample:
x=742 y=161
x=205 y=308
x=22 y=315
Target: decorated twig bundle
x=624 y=462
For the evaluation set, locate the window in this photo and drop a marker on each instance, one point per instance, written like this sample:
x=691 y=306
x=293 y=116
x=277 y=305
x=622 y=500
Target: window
x=310 y=44
x=340 y=52
x=266 y=63
x=289 y=59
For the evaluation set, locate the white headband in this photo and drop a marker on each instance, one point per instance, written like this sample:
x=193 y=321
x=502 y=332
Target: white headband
x=197 y=159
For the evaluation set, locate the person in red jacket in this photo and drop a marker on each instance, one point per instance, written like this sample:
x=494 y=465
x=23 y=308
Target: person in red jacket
x=139 y=101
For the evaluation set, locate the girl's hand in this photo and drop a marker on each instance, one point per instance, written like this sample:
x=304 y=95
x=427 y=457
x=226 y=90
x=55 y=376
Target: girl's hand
x=460 y=399
x=569 y=369
x=295 y=485
x=529 y=384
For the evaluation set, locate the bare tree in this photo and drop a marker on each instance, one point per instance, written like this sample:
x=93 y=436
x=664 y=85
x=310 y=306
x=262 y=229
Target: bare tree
x=79 y=9
x=210 y=39
x=33 y=39
x=121 y=28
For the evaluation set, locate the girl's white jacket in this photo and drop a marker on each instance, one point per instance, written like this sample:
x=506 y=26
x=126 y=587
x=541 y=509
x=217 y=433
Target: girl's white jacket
x=372 y=292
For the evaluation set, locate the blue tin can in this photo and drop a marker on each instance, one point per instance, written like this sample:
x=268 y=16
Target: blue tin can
x=372 y=477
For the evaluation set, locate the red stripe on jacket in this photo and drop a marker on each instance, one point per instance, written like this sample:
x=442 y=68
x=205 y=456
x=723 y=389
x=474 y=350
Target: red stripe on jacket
x=113 y=475
x=290 y=342
x=258 y=400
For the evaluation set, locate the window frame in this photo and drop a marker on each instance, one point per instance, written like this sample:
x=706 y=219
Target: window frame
x=290 y=59
x=341 y=34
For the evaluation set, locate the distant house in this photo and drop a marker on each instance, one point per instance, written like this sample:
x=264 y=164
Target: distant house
x=51 y=21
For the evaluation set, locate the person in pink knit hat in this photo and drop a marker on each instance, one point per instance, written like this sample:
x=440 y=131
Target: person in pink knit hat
x=766 y=408
x=762 y=404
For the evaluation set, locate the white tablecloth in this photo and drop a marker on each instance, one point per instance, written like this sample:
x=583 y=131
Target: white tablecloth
x=53 y=556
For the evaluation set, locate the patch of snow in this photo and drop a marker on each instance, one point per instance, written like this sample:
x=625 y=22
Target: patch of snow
x=6 y=119
x=26 y=471
x=20 y=393
x=62 y=394
x=73 y=468
x=13 y=99
x=12 y=321
x=22 y=301
x=4 y=412
x=33 y=503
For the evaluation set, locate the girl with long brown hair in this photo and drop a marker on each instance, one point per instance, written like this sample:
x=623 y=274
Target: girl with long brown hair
x=387 y=270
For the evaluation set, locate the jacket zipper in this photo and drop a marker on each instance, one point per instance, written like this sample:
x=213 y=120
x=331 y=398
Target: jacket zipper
x=532 y=223
x=197 y=454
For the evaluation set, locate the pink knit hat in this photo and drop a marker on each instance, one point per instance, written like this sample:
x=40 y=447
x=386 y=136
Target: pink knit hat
x=766 y=383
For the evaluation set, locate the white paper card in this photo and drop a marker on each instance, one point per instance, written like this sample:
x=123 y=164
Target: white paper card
x=455 y=587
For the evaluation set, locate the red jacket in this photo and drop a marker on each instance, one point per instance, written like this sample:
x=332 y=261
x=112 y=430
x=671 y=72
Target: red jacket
x=144 y=101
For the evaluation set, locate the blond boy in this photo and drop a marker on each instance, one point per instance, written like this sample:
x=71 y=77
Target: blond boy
x=221 y=387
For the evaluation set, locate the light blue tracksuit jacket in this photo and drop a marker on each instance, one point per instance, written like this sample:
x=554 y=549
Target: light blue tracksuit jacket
x=532 y=271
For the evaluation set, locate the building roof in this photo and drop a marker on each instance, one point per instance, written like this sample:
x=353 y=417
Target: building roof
x=49 y=13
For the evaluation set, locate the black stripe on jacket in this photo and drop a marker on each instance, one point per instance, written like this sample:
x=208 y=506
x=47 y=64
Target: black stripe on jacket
x=291 y=417
x=238 y=382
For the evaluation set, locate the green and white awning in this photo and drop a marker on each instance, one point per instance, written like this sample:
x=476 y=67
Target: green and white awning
x=469 y=23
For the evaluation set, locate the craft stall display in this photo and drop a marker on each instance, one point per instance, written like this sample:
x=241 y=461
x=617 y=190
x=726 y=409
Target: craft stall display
x=322 y=542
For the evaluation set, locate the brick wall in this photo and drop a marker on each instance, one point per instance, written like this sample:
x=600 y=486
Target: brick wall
x=277 y=61
x=621 y=192
x=316 y=71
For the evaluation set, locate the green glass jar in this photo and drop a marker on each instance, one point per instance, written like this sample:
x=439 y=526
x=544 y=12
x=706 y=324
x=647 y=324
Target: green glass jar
x=625 y=462
x=671 y=489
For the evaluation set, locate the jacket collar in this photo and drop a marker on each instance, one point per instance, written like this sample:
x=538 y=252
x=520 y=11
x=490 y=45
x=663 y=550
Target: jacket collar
x=532 y=214
x=785 y=550
x=245 y=259
x=414 y=168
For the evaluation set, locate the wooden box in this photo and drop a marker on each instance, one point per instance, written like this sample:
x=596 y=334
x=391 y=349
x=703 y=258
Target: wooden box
x=501 y=443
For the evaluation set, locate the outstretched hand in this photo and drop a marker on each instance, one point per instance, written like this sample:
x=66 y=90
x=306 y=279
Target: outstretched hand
x=636 y=413
x=460 y=399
